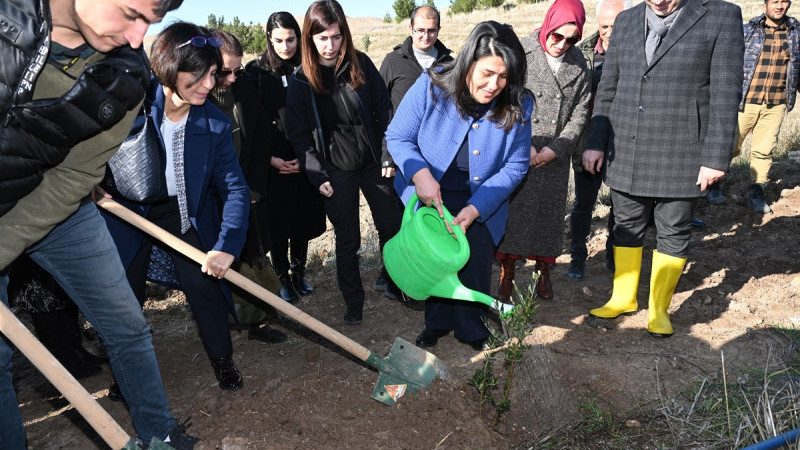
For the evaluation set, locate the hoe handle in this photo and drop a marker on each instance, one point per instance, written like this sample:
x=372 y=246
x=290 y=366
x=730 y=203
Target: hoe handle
x=84 y=403
x=238 y=279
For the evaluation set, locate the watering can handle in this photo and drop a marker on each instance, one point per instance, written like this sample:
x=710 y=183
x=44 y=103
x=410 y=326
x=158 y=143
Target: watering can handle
x=463 y=245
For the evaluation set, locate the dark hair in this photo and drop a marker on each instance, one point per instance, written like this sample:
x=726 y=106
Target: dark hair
x=230 y=44
x=270 y=60
x=165 y=6
x=321 y=15
x=166 y=59
x=487 y=39
x=433 y=13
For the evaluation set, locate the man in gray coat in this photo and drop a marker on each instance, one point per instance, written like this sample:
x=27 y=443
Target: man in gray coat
x=664 y=122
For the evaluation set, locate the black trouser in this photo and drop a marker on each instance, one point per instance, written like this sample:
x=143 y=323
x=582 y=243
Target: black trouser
x=280 y=253
x=203 y=292
x=673 y=219
x=580 y=220
x=342 y=210
x=467 y=319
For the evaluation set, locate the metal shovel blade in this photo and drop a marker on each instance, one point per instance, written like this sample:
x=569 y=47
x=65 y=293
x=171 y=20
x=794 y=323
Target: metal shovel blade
x=407 y=368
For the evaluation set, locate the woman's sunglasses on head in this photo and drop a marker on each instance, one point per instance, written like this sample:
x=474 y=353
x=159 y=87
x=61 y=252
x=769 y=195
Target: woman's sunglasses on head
x=202 y=41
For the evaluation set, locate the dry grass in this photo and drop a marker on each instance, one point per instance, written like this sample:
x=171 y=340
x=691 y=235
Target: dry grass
x=734 y=411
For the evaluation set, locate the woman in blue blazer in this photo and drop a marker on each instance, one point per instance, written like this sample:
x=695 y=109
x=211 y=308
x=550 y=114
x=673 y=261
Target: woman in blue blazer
x=461 y=136
x=202 y=171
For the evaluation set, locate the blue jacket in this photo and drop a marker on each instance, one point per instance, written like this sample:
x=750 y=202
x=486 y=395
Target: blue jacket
x=754 y=42
x=210 y=167
x=428 y=134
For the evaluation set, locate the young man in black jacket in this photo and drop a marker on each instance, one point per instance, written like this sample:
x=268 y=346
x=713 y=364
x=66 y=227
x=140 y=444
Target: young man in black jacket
x=402 y=66
x=73 y=79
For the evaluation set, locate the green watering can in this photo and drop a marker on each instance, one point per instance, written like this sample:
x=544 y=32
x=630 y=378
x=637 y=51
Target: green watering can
x=423 y=259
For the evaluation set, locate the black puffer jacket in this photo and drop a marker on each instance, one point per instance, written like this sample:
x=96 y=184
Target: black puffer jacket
x=36 y=135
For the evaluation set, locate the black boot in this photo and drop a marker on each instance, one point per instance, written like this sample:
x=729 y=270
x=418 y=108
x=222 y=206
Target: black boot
x=287 y=288
x=381 y=281
x=60 y=333
x=354 y=315
x=226 y=372
x=114 y=392
x=299 y=278
x=758 y=201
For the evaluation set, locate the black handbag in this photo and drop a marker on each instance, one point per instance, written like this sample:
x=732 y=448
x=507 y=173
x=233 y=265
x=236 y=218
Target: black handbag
x=136 y=171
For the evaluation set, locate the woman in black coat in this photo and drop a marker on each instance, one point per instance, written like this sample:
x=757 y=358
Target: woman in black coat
x=296 y=213
x=337 y=112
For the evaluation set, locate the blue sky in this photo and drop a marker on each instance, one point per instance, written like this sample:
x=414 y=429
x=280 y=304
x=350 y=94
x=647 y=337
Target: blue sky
x=197 y=11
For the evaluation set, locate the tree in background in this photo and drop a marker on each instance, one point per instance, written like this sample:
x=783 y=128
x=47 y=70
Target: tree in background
x=461 y=6
x=251 y=36
x=402 y=9
x=365 y=41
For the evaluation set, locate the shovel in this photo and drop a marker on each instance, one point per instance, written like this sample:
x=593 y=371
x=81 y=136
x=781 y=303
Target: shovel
x=82 y=401
x=407 y=368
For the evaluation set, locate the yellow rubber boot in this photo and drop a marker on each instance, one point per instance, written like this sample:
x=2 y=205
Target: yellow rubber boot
x=628 y=266
x=663 y=281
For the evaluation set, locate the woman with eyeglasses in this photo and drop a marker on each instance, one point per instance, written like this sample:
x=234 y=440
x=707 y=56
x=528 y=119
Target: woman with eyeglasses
x=561 y=83
x=337 y=112
x=295 y=211
x=201 y=169
x=461 y=137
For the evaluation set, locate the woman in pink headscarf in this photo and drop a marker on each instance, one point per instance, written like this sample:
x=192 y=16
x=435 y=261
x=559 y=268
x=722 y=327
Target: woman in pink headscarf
x=560 y=80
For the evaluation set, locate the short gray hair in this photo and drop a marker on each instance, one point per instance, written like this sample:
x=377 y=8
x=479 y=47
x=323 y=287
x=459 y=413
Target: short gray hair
x=618 y=4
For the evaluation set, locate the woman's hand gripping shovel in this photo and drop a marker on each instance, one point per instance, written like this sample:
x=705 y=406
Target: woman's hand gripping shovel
x=407 y=368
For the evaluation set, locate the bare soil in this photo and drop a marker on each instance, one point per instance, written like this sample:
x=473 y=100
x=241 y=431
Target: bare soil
x=743 y=277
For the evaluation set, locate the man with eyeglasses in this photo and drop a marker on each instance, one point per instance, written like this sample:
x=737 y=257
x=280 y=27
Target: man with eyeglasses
x=74 y=77
x=664 y=123
x=403 y=65
x=400 y=69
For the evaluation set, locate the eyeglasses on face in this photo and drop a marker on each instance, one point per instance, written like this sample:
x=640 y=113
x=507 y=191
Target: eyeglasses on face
x=202 y=41
x=236 y=72
x=558 y=37
x=426 y=30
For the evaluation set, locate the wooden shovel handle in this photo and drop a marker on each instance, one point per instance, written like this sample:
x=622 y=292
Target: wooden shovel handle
x=236 y=278
x=83 y=402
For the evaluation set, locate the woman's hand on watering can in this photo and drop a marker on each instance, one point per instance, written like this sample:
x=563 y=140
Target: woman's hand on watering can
x=428 y=189
x=466 y=216
x=326 y=189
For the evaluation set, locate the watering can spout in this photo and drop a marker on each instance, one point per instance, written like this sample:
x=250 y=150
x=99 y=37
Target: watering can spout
x=451 y=287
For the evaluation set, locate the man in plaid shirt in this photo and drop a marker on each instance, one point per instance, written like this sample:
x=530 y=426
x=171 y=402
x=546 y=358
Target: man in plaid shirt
x=771 y=63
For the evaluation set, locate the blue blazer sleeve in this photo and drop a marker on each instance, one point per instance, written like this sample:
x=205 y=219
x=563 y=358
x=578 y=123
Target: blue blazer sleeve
x=402 y=135
x=229 y=182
